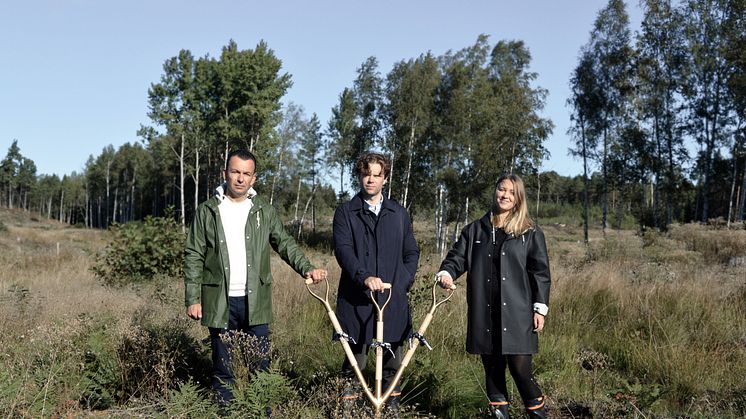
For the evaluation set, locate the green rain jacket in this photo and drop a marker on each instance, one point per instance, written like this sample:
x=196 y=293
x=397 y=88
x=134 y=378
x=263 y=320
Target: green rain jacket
x=206 y=267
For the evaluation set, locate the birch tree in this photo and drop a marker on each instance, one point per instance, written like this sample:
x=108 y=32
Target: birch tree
x=411 y=89
x=660 y=74
x=585 y=110
x=610 y=45
x=340 y=133
x=706 y=94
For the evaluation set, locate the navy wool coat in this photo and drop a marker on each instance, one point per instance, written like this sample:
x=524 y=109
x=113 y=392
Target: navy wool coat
x=386 y=249
x=524 y=279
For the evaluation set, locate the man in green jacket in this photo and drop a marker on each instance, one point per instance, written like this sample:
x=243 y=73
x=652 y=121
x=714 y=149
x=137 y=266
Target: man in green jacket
x=227 y=277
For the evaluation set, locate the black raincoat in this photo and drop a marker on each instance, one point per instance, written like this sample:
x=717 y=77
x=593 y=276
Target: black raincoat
x=524 y=280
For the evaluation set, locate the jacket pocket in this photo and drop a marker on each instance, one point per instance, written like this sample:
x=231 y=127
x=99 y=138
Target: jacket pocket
x=210 y=278
x=265 y=279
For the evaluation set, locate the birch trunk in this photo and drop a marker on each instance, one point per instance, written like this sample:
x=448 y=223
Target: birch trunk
x=108 y=191
x=297 y=200
x=305 y=210
x=278 y=174
x=408 y=171
x=742 y=196
x=116 y=201
x=181 y=185
x=538 y=193
x=195 y=176
x=62 y=201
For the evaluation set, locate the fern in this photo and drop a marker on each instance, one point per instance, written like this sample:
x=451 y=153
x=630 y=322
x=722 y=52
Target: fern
x=189 y=401
x=266 y=389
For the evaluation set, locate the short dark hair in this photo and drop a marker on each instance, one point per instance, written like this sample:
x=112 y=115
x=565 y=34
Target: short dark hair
x=242 y=154
x=362 y=166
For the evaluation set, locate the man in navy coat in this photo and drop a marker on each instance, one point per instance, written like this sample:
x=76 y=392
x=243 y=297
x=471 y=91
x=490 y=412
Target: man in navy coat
x=374 y=244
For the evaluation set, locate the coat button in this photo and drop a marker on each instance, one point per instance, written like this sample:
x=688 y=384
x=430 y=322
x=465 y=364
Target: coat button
x=505 y=329
x=489 y=254
x=247 y=237
x=505 y=304
x=249 y=291
x=226 y=268
x=503 y=253
x=488 y=280
x=503 y=278
x=488 y=330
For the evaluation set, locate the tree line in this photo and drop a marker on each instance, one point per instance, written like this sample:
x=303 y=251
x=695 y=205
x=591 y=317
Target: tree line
x=451 y=125
x=640 y=103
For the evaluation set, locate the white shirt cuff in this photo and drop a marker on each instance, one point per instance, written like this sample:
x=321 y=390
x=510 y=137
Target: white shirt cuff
x=439 y=274
x=541 y=309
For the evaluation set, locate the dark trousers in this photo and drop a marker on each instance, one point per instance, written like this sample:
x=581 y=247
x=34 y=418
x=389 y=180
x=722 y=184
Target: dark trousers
x=226 y=343
x=521 y=370
x=391 y=364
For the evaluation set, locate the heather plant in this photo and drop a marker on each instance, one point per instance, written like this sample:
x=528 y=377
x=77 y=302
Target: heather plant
x=715 y=245
x=141 y=251
x=155 y=353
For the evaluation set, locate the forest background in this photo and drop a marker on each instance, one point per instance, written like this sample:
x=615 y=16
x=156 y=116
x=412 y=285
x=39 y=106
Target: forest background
x=451 y=124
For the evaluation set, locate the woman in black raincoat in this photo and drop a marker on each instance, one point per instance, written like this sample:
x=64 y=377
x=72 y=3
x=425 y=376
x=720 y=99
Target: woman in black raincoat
x=508 y=283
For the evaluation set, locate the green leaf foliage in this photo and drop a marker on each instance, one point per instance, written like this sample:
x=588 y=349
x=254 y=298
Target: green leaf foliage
x=141 y=251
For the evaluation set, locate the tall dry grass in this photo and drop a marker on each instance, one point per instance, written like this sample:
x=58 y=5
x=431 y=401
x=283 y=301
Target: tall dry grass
x=654 y=326
x=71 y=344
x=639 y=326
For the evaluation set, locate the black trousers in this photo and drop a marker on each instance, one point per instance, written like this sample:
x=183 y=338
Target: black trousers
x=520 y=369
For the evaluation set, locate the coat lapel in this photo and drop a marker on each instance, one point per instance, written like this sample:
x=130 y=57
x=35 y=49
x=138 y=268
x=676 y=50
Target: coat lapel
x=358 y=209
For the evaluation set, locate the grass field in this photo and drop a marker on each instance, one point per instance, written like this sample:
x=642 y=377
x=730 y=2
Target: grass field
x=651 y=326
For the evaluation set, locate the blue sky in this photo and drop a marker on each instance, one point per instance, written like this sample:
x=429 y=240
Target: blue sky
x=75 y=74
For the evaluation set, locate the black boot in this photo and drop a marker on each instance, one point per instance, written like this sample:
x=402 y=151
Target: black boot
x=536 y=408
x=498 y=407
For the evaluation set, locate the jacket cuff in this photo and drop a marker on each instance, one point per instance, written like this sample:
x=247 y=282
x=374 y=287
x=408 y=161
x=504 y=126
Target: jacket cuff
x=361 y=276
x=307 y=270
x=192 y=294
x=541 y=309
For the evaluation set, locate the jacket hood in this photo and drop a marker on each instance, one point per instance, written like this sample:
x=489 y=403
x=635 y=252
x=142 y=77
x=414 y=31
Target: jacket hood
x=220 y=192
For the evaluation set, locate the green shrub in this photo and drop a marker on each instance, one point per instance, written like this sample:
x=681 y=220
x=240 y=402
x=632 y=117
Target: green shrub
x=3 y=228
x=143 y=361
x=140 y=251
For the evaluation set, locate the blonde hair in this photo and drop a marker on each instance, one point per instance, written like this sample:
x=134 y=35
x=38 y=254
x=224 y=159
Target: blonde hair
x=517 y=221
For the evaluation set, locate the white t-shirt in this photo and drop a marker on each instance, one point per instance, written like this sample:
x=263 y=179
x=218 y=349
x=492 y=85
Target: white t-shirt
x=233 y=216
